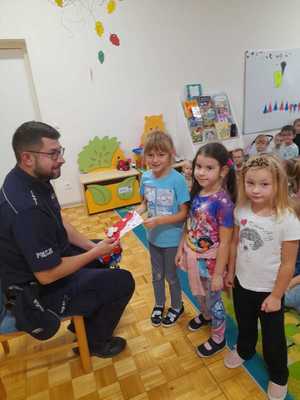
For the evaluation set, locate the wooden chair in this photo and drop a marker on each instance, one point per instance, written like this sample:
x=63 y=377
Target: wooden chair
x=8 y=332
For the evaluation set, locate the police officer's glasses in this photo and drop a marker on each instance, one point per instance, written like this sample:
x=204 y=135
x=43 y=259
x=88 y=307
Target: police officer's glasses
x=54 y=155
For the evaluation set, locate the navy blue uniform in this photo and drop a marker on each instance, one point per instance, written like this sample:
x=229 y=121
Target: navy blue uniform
x=33 y=239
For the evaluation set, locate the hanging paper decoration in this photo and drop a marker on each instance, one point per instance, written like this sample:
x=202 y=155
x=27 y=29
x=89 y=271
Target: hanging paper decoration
x=275 y=106
x=265 y=109
x=114 y=38
x=286 y=106
x=282 y=65
x=281 y=106
x=111 y=6
x=99 y=28
x=101 y=56
x=270 y=108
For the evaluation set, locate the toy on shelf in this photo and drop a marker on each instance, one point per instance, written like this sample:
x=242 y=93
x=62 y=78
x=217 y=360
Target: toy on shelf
x=152 y=123
x=124 y=165
x=138 y=156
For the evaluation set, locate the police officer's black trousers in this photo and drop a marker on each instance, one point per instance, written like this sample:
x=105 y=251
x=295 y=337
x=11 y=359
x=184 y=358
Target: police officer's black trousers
x=100 y=295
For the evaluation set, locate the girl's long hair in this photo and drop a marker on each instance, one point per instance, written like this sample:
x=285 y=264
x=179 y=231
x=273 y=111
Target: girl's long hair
x=218 y=152
x=282 y=202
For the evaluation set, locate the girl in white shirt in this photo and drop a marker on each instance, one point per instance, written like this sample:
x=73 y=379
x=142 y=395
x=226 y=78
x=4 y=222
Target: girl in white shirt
x=261 y=265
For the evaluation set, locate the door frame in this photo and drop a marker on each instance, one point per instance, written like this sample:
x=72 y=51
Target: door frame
x=20 y=44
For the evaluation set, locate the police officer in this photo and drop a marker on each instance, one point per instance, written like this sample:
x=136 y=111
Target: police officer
x=37 y=244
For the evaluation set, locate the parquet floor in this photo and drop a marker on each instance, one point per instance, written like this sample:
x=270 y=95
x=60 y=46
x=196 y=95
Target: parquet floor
x=158 y=363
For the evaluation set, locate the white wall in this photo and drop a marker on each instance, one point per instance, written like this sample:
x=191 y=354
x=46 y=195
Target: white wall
x=165 y=44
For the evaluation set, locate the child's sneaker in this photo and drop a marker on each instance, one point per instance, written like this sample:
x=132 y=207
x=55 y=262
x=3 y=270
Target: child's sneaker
x=276 y=392
x=210 y=348
x=172 y=316
x=157 y=315
x=197 y=322
x=233 y=360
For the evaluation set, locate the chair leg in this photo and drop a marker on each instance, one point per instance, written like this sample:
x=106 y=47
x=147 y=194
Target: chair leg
x=3 y=394
x=5 y=346
x=82 y=344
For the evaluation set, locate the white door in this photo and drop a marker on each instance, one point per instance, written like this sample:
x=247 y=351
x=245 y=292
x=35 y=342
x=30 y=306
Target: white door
x=17 y=101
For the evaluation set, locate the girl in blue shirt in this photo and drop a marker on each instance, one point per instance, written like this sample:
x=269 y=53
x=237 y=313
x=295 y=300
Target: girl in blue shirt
x=165 y=194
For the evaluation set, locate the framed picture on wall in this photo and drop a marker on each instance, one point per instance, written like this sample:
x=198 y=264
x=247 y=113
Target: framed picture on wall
x=193 y=90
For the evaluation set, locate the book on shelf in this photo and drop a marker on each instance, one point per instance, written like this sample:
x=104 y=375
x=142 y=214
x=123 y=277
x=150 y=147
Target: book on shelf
x=222 y=108
x=222 y=130
x=187 y=107
x=207 y=111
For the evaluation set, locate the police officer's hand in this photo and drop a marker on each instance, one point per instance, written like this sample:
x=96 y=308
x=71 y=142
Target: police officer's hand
x=106 y=246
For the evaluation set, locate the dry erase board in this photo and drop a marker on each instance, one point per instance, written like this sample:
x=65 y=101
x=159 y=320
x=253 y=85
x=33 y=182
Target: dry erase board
x=272 y=89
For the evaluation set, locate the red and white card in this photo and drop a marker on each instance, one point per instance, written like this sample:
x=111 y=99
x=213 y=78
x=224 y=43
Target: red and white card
x=131 y=220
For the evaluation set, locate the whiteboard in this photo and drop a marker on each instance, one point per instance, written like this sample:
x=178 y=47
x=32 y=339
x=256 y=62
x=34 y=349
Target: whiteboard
x=272 y=89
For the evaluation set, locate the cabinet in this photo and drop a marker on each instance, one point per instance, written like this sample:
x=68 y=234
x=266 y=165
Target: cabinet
x=109 y=189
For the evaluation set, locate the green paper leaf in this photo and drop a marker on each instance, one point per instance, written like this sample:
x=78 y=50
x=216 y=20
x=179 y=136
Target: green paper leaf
x=101 y=56
x=101 y=195
x=125 y=188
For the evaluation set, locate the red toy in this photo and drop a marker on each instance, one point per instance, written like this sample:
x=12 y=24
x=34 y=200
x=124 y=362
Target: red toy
x=123 y=165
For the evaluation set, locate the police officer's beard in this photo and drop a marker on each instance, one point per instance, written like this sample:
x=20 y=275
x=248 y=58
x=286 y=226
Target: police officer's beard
x=43 y=176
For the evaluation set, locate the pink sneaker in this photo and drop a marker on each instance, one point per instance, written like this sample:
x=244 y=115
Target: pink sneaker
x=276 y=392
x=233 y=360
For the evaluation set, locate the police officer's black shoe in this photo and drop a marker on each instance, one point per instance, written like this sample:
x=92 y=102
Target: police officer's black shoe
x=107 y=349
x=110 y=348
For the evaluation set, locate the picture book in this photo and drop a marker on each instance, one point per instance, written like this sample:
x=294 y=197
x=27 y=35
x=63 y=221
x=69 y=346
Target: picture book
x=207 y=111
x=222 y=130
x=210 y=134
x=197 y=134
x=222 y=108
x=187 y=107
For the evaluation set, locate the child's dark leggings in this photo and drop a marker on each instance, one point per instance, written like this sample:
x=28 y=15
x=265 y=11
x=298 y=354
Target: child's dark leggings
x=247 y=305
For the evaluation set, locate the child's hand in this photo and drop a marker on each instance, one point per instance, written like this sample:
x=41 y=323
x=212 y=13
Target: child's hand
x=229 y=280
x=216 y=283
x=178 y=257
x=271 y=304
x=151 y=223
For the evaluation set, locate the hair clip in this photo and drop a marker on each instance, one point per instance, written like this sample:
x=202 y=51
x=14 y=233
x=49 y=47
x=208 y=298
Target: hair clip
x=229 y=163
x=258 y=162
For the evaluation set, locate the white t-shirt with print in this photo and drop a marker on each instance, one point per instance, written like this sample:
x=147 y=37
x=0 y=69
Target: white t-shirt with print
x=259 y=248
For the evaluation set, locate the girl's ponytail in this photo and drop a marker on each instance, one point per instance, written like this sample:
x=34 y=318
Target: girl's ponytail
x=231 y=183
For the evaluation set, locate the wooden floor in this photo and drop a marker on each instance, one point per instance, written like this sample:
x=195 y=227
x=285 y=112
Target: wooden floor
x=158 y=363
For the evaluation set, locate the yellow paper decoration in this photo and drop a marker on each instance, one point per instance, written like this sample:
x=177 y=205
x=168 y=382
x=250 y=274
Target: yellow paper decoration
x=99 y=28
x=277 y=75
x=60 y=3
x=111 y=6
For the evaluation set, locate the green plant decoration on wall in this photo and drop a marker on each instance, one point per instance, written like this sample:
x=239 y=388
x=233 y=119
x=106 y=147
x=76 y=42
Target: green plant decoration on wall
x=101 y=195
x=125 y=188
x=98 y=153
